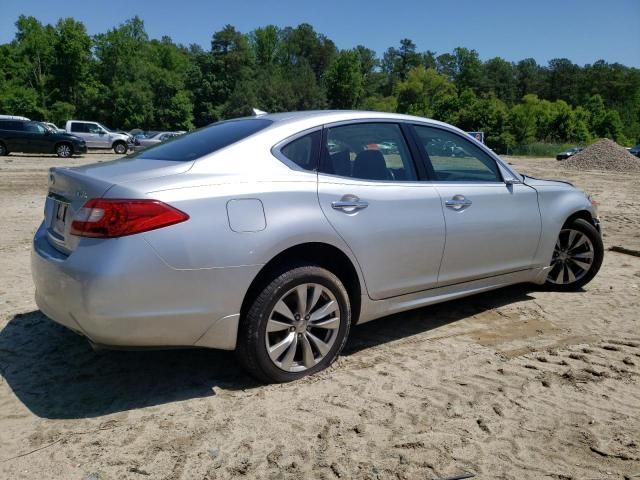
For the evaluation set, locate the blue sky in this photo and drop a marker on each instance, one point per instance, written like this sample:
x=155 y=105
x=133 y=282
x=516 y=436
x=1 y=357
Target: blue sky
x=581 y=30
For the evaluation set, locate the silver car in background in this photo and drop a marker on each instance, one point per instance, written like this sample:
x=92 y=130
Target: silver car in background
x=273 y=235
x=158 y=137
x=98 y=136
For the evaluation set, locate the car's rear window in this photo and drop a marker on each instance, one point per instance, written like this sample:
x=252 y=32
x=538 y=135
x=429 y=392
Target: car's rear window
x=204 y=141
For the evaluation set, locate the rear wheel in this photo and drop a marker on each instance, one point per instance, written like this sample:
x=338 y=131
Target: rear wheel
x=64 y=150
x=120 y=148
x=577 y=256
x=3 y=150
x=296 y=326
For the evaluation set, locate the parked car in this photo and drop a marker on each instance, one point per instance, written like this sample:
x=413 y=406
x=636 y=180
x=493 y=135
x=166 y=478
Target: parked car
x=154 y=139
x=273 y=235
x=635 y=150
x=98 y=136
x=568 y=153
x=53 y=127
x=35 y=137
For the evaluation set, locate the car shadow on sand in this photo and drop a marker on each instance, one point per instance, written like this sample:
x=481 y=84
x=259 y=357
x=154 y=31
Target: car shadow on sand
x=56 y=374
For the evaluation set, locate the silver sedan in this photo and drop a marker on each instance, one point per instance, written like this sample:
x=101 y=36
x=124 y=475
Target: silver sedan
x=158 y=137
x=273 y=235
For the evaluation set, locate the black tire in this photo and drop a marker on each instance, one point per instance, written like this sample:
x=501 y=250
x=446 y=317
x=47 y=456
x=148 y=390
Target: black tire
x=3 y=150
x=64 y=150
x=120 y=148
x=594 y=236
x=251 y=349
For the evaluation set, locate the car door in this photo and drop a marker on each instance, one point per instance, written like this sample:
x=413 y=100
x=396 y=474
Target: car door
x=371 y=191
x=37 y=138
x=493 y=227
x=100 y=136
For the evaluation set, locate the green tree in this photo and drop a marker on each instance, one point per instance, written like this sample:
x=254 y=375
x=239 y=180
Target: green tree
x=72 y=62
x=499 y=78
x=344 y=80
x=265 y=43
x=35 y=49
x=427 y=93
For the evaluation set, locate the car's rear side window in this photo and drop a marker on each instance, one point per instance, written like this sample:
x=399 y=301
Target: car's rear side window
x=368 y=151
x=204 y=141
x=11 y=125
x=79 y=127
x=304 y=151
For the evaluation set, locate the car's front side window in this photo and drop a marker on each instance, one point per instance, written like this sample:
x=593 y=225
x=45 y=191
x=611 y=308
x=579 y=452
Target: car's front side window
x=456 y=159
x=35 y=127
x=368 y=151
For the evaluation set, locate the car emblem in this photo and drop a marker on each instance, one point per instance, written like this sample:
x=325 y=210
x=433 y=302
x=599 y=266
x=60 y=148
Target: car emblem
x=81 y=194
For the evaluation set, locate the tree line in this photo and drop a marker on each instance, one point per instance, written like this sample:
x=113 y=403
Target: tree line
x=125 y=80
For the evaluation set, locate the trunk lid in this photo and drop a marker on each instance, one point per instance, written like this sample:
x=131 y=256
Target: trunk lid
x=70 y=188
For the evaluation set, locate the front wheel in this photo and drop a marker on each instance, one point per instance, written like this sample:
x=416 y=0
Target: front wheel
x=120 y=148
x=64 y=150
x=3 y=150
x=296 y=326
x=577 y=256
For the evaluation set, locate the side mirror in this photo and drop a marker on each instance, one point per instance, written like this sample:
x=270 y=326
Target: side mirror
x=512 y=181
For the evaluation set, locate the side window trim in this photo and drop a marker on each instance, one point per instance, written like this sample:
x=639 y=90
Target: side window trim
x=276 y=150
x=427 y=160
x=403 y=126
x=420 y=158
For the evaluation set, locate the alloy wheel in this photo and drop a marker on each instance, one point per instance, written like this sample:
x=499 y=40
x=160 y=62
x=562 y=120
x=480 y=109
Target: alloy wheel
x=572 y=258
x=64 y=151
x=302 y=327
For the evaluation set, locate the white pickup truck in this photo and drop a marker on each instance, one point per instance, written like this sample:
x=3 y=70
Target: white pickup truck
x=98 y=136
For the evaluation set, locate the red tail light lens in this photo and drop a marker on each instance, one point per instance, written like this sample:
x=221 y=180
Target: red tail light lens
x=108 y=218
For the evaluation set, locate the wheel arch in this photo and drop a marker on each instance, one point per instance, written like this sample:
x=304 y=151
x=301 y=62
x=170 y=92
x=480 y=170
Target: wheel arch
x=118 y=142
x=312 y=253
x=584 y=215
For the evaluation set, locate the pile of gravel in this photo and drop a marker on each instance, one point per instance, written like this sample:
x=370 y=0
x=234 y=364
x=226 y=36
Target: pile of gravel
x=605 y=154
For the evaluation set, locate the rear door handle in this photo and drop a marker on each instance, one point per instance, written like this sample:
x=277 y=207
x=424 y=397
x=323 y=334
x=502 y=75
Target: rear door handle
x=458 y=202
x=349 y=205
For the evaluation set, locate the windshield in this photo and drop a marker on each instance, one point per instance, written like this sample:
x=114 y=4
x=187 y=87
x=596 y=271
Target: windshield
x=190 y=146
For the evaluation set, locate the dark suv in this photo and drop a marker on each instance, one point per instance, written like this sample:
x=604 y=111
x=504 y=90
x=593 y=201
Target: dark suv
x=34 y=137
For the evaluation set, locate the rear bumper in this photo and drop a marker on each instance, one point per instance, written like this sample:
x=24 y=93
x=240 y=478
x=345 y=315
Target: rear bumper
x=119 y=293
x=80 y=148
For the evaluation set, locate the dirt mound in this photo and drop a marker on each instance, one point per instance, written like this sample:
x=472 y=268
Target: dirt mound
x=605 y=154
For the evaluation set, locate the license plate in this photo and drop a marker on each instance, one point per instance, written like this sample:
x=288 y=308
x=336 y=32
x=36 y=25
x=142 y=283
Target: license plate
x=59 y=217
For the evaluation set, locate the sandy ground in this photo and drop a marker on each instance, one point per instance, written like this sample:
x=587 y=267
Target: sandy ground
x=517 y=383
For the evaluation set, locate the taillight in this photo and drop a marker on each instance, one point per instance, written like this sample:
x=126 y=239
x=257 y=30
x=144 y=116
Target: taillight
x=107 y=218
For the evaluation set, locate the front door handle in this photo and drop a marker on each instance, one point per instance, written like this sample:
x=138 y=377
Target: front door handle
x=349 y=204
x=458 y=202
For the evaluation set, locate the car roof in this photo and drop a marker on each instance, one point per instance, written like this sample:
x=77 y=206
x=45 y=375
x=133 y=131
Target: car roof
x=331 y=116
